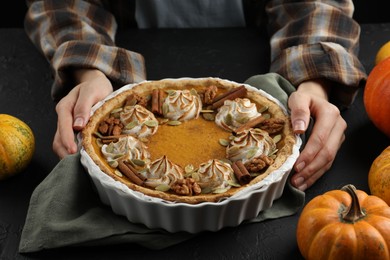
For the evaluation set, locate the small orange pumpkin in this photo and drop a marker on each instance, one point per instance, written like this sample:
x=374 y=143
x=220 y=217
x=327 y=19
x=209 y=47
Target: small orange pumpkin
x=379 y=176
x=17 y=145
x=377 y=96
x=344 y=224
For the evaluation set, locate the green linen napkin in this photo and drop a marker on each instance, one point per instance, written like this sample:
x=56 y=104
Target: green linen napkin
x=65 y=210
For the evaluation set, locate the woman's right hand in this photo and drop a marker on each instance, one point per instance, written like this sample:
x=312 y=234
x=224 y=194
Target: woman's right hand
x=74 y=109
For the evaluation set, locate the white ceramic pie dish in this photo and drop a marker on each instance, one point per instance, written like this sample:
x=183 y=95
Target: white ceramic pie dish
x=156 y=213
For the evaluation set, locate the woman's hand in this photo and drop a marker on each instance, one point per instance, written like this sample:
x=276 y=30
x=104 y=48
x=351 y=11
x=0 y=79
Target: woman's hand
x=74 y=109
x=311 y=99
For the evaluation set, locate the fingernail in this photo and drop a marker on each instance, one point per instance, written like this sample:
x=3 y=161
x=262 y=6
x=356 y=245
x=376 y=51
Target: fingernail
x=298 y=181
x=299 y=126
x=300 y=166
x=302 y=187
x=78 y=122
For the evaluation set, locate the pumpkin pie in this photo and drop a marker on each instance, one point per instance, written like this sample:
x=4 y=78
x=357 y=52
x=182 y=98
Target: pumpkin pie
x=189 y=140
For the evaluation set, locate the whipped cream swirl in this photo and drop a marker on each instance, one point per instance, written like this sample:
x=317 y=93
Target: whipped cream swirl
x=235 y=113
x=162 y=171
x=127 y=148
x=138 y=121
x=250 y=144
x=215 y=174
x=182 y=105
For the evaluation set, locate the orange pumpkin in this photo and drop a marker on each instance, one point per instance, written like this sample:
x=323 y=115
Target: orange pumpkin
x=344 y=224
x=377 y=96
x=379 y=176
x=17 y=145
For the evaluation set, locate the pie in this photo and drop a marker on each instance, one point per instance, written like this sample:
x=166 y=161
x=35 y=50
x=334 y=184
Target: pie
x=189 y=140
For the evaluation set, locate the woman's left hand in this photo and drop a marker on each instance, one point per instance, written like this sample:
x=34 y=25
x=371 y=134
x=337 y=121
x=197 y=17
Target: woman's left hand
x=311 y=100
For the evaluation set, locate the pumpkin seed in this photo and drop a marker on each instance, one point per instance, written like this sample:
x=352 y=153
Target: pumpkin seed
x=165 y=108
x=273 y=152
x=233 y=183
x=223 y=142
x=243 y=120
x=267 y=116
x=263 y=109
x=277 y=138
x=229 y=119
x=116 y=110
x=138 y=162
x=252 y=152
x=254 y=174
x=110 y=148
x=99 y=142
x=151 y=123
x=189 y=168
x=206 y=190
x=226 y=160
x=220 y=190
x=208 y=116
x=113 y=163
x=195 y=176
x=170 y=92
x=162 y=121
x=173 y=122
x=119 y=155
x=234 y=149
x=131 y=125
x=194 y=92
x=118 y=173
x=163 y=187
x=97 y=134
x=143 y=139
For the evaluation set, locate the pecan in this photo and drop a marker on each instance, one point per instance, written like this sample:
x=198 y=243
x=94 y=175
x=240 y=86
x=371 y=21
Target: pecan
x=258 y=163
x=272 y=125
x=116 y=130
x=186 y=187
x=141 y=100
x=103 y=128
x=111 y=126
x=210 y=94
x=134 y=99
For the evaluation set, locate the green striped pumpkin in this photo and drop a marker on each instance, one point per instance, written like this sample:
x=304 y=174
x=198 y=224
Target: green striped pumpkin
x=17 y=145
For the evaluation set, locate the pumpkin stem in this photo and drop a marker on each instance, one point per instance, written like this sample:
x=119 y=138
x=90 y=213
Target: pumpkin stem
x=354 y=212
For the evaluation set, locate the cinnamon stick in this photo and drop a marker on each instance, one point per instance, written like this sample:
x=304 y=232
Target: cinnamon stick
x=156 y=101
x=250 y=124
x=132 y=175
x=230 y=95
x=241 y=172
x=227 y=93
x=161 y=97
x=131 y=167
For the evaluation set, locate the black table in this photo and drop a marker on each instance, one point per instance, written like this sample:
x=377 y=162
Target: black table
x=234 y=54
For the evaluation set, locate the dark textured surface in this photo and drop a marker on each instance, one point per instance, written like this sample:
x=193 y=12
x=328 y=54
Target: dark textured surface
x=25 y=81
x=13 y=12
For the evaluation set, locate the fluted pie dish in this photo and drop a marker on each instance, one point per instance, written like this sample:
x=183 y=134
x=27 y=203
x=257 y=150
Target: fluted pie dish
x=189 y=154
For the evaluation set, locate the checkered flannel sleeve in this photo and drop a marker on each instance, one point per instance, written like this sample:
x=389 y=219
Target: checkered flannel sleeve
x=317 y=39
x=80 y=34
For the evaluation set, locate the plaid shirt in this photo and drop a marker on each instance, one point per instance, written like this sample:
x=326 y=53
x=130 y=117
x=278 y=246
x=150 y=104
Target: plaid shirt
x=309 y=39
